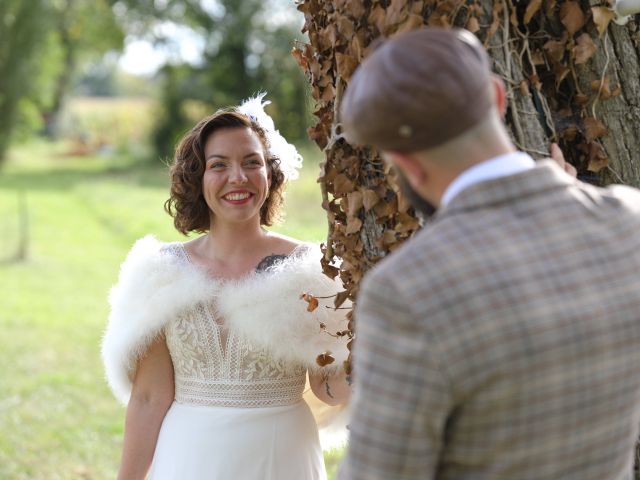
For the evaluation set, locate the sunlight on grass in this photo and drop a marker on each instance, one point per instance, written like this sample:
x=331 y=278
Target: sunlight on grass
x=57 y=417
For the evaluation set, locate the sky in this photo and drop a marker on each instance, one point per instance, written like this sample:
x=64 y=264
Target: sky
x=142 y=57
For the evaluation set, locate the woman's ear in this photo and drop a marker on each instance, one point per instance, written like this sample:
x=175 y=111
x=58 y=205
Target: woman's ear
x=269 y=175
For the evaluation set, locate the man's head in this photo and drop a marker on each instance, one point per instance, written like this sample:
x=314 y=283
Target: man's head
x=428 y=100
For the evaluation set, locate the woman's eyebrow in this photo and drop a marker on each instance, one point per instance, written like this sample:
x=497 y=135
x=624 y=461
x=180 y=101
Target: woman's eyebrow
x=224 y=157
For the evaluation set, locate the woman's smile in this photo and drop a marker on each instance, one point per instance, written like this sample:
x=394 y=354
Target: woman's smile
x=238 y=197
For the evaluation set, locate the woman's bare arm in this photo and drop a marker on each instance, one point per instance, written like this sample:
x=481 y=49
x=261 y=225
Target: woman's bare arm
x=152 y=394
x=331 y=389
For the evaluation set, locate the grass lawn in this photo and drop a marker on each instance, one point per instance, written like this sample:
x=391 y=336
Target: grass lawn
x=57 y=417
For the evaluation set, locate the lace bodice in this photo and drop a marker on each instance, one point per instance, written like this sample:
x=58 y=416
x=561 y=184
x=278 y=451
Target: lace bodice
x=214 y=365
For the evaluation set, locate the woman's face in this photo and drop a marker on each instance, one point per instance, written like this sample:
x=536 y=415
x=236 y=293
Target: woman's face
x=236 y=179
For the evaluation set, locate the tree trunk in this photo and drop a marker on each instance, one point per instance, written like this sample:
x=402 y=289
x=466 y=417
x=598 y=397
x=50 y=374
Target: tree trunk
x=21 y=33
x=618 y=58
x=572 y=76
x=63 y=81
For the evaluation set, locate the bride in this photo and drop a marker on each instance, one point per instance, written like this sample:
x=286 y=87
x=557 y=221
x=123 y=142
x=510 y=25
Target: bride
x=209 y=341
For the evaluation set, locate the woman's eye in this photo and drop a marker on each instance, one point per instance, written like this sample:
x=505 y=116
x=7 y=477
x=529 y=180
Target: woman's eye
x=216 y=165
x=254 y=162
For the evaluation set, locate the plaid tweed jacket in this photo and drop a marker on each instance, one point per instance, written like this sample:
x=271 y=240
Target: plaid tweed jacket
x=503 y=340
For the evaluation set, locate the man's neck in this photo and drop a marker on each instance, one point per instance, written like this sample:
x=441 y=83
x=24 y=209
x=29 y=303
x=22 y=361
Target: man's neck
x=503 y=165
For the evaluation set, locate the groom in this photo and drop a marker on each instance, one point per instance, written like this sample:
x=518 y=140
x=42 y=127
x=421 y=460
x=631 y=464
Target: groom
x=503 y=340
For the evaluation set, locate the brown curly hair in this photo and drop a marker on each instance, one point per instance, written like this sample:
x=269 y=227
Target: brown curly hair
x=186 y=203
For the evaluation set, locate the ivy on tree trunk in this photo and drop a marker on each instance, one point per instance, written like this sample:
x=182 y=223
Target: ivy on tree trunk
x=572 y=77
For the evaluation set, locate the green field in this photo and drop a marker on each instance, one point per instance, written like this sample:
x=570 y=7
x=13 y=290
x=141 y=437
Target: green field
x=57 y=417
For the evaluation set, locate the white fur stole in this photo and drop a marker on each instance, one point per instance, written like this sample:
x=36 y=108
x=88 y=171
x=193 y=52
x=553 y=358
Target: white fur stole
x=155 y=286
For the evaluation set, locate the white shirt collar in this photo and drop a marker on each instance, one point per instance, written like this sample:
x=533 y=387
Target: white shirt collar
x=500 y=166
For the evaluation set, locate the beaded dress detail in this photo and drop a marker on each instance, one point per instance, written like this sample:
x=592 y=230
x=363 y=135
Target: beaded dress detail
x=215 y=366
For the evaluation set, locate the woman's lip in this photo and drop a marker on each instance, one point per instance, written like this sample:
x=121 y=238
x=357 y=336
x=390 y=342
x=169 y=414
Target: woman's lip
x=238 y=201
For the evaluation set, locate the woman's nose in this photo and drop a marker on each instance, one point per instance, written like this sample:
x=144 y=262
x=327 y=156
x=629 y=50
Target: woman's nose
x=237 y=175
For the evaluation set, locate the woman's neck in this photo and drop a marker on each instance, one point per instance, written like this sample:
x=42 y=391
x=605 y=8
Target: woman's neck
x=228 y=241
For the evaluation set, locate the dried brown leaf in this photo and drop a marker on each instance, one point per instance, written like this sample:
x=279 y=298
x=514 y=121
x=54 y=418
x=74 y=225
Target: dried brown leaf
x=513 y=18
x=556 y=48
x=532 y=9
x=346 y=65
x=345 y=27
x=342 y=184
x=572 y=16
x=403 y=203
x=328 y=93
x=406 y=223
x=385 y=209
x=550 y=7
x=354 y=200
x=602 y=16
x=389 y=236
x=332 y=34
x=569 y=133
x=300 y=58
x=356 y=8
x=581 y=99
x=537 y=57
x=354 y=224
x=377 y=17
x=473 y=25
x=329 y=270
x=325 y=359
x=584 y=49
x=495 y=22
x=410 y=23
x=370 y=199
x=593 y=128
x=602 y=86
x=597 y=158
x=312 y=302
x=396 y=13
x=341 y=297
x=560 y=71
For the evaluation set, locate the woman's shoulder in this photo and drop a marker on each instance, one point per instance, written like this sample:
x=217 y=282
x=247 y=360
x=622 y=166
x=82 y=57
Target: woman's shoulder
x=285 y=245
x=148 y=254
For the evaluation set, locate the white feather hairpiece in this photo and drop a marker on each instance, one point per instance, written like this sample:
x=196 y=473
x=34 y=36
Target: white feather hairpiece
x=290 y=159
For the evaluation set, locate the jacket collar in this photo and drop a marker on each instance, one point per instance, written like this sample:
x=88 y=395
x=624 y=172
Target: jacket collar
x=545 y=176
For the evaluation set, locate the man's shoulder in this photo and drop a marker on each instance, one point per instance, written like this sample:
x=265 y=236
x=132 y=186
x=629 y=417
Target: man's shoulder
x=412 y=257
x=625 y=196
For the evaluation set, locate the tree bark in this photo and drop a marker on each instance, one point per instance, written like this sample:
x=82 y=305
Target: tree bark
x=618 y=57
x=572 y=77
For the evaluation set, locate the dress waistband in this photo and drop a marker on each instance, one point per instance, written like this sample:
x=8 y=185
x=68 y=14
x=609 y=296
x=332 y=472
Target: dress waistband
x=237 y=393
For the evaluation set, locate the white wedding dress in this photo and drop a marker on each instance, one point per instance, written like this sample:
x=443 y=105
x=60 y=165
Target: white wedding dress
x=238 y=414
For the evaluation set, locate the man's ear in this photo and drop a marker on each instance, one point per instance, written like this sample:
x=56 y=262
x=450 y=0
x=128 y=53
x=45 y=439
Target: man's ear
x=409 y=165
x=500 y=95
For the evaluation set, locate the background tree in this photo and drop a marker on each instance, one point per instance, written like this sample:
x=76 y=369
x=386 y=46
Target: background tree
x=23 y=35
x=42 y=45
x=572 y=76
x=246 y=49
x=84 y=30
